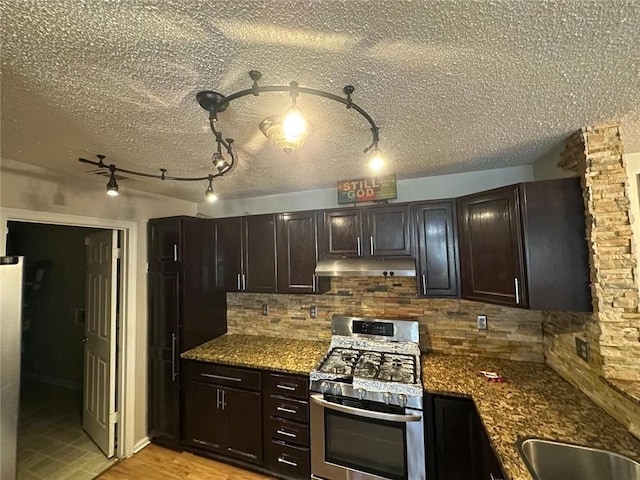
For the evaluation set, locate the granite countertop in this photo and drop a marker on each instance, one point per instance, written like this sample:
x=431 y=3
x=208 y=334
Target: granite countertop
x=272 y=353
x=533 y=401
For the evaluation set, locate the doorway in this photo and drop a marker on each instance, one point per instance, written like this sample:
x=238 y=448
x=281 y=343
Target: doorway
x=51 y=440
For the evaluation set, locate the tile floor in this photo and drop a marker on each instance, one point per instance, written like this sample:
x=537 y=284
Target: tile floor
x=51 y=442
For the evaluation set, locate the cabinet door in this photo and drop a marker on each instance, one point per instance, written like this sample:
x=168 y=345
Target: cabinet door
x=491 y=255
x=163 y=240
x=458 y=452
x=259 y=233
x=342 y=233
x=163 y=391
x=204 y=422
x=437 y=249
x=297 y=252
x=243 y=412
x=227 y=245
x=388 y=231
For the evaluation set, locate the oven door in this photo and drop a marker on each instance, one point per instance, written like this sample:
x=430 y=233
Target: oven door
x=356 y=441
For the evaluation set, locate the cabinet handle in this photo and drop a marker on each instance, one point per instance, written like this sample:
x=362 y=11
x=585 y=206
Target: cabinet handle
x=224 y=404
x=313 y=284
x=174 y=373
x=286 y=387
x=517 y=284
x=244 y=454
x=239 y=286
x=358 y=246
x=492 y=477
x=286 y=410
x=286 y=434
x=424 y=284
x=221 y=377
x=202 y=442
x=371 y=245
x=287 y=462
x=244 y=282
x=217 y=398
x=175 y=252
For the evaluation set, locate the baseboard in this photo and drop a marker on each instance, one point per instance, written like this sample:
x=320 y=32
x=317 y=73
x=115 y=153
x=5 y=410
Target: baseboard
x=141 y=444
x=59 y=382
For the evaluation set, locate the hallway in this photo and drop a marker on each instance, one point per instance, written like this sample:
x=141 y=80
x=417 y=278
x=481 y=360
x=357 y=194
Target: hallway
x=51 y=442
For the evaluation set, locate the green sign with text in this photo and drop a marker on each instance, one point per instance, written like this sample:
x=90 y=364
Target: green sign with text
x=367 y=189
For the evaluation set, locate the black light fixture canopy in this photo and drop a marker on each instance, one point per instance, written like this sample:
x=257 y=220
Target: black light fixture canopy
x=287 y=131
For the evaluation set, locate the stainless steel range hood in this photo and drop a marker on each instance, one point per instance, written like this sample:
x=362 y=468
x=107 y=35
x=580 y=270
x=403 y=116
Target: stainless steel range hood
x=366 y=267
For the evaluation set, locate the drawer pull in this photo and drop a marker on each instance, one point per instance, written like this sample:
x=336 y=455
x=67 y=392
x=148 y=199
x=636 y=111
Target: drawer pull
x=287 y=462
x=286 y=410
x=202 y=442
x=286 y=434
x=221 y=377
x=286 y=387
x=244 y=454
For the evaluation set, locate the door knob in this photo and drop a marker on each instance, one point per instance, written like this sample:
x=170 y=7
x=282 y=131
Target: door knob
x=84 y=340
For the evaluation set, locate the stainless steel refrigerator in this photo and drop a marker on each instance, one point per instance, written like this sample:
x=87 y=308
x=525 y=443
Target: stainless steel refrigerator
x=10 y=331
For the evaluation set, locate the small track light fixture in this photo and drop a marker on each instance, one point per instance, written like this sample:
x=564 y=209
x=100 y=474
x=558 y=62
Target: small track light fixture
x=112 y=184
x=287 y=131
x=209 y=193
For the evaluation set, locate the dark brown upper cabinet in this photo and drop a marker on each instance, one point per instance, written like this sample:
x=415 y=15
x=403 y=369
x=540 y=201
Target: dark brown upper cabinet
x=245 y=253
x=164 y=240
x=388 y=231
x=227 y=248
x=382 y=231
x=438 y=272
x=259 y=253
x=343 y=233
x=297 y=239
x=524 y=245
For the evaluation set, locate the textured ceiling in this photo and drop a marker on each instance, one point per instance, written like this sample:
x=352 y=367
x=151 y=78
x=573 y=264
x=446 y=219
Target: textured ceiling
x=453 y=85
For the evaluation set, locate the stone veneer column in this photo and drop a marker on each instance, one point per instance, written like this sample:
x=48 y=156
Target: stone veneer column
x=596 y=154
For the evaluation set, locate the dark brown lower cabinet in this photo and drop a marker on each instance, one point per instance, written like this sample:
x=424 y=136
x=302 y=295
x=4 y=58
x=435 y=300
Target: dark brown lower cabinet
x=286 y=416
x=458 y=447
x=220 y=418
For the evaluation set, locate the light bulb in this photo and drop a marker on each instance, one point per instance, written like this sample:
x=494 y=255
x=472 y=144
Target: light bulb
x=112 y=186
x=209 y=193
x=294 y=124
x=377 y=161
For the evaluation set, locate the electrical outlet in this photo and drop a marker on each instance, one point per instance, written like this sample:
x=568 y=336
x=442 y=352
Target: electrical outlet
x=582 y=349
x=265 y=309
x=313 y=311
x=482 y=322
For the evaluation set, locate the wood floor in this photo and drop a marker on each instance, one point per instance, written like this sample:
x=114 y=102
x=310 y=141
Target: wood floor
x=157 y=463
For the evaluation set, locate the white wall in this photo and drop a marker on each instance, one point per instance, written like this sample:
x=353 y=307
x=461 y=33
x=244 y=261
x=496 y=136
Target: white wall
x=546 y=167
x=425 y=188
x=37 y=189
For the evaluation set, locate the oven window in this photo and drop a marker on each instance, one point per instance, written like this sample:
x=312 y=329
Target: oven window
x=365 y=444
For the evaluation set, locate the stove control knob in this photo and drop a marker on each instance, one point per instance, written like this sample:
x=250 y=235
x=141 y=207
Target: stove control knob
x=402 y=400
x=324 y=386
x=361 y=393
x=386 y=396
x=337 y=389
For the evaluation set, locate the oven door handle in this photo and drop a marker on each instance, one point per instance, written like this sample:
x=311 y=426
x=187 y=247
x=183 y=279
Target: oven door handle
x=390 y=417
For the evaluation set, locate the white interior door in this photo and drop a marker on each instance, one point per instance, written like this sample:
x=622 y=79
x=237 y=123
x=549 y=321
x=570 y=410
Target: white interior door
x=99 y=397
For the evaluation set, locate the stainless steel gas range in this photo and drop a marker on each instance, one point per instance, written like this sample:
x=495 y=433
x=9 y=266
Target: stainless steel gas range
x=366 y=403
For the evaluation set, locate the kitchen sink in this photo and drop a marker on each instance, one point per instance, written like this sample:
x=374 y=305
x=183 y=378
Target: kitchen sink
x=550 y=460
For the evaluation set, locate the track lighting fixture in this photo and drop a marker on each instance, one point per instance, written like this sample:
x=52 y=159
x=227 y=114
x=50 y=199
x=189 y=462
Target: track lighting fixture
x=209 y=193
x=112 y=184
x=287 y=131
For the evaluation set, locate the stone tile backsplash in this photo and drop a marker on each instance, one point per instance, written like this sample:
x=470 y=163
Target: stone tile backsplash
x=446 y=325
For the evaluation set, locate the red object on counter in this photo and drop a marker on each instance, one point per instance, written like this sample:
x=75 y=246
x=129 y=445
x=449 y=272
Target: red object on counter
x=492 y=376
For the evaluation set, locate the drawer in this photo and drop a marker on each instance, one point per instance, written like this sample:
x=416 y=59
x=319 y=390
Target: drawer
x=287 y=431
x=288 y=460
x=287 y=408
x=289 y=386
x=222 y=375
